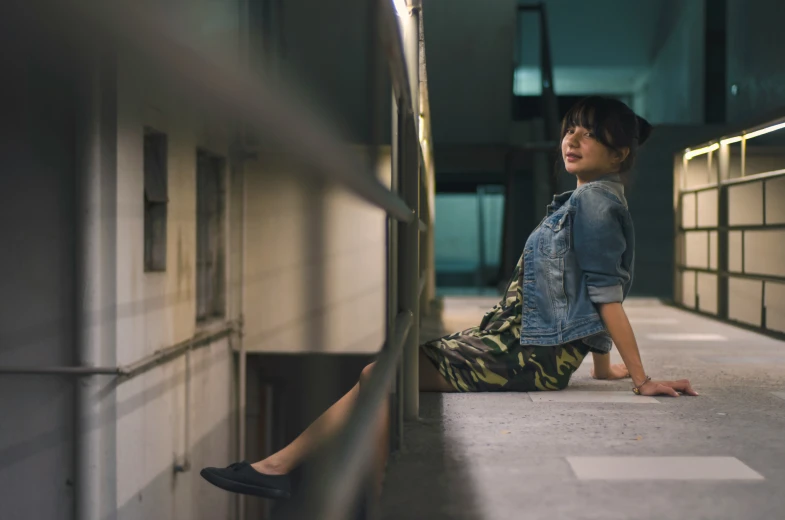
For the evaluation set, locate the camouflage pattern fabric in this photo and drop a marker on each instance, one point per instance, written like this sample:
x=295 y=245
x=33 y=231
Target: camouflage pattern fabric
x=490 y=358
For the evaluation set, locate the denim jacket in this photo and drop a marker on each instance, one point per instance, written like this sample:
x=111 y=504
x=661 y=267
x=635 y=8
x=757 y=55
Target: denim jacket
x=581 y=254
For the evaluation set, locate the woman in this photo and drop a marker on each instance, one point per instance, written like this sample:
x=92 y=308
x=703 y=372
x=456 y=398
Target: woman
x=564 y=301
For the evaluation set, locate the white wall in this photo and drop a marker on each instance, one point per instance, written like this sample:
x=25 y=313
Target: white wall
x=673 y=92
x=315 y=264
x=185 y=409
x=156 y=310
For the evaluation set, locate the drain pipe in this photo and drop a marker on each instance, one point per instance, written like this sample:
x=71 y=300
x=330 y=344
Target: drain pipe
x=95 y=290
x=243 y=357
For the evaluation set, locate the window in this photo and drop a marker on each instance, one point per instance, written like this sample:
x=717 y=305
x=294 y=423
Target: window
x=210 y=237
x=156 y=199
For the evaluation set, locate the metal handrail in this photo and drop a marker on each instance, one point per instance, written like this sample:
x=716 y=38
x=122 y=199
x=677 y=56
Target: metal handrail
x=268 y=108
x=131 y=370
x=331 y=498
x=727 y=273
x=392 y=44
x=774 y=174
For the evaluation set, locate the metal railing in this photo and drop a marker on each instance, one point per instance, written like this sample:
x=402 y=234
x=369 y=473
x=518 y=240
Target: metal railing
x=274 y=115
x=719 y=207
x=125 y=372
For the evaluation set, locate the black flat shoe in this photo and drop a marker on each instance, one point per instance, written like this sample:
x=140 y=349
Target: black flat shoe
x=241 y=478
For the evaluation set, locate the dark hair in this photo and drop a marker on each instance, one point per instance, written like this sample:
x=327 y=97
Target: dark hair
x=613 y=124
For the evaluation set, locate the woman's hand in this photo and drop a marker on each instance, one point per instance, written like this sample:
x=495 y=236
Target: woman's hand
x=671 y=388
x=615 y=371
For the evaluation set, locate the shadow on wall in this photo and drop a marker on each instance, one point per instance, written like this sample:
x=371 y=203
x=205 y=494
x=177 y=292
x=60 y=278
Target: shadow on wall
x=650 y=197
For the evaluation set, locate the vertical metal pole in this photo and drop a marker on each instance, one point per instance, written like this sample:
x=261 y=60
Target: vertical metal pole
x=393 y=265
x=410 y=184
x=722 y=232
x=248 y=52
x=744 y=156
x=96 y=263
x=481 y=237
x=678 y=165
x=242 y=361
x=549 y=99
x=550 y=102
x=427 y=184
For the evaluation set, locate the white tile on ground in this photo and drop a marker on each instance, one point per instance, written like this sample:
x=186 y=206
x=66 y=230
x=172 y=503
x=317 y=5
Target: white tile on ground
x=744 y=360
x=588 y=396
x=653 y=321
x=686 y=337
x=781 y=395
x=661 y=468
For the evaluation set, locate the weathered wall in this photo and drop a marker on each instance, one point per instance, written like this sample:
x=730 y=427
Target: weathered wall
x=183 y=410
x=314 y=278
x=156 y=310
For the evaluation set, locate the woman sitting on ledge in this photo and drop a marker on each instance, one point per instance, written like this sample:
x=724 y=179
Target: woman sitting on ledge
x=564 y=300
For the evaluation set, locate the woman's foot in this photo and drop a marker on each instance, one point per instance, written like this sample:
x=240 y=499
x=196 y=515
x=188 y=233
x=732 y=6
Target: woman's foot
x=241 y=477
x=269 y=468
x=616 y=371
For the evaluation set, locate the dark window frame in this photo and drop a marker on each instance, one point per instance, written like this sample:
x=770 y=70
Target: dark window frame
x=156 y=200
x=211 y=236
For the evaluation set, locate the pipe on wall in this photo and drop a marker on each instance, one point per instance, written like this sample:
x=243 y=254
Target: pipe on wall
x=96 y=287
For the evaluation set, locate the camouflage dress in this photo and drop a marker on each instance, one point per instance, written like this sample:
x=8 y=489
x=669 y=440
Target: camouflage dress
x=490 y=358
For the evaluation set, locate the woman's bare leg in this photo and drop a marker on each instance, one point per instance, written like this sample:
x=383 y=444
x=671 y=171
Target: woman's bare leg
x=431 y=380
x=330 y=421
x=283 y=461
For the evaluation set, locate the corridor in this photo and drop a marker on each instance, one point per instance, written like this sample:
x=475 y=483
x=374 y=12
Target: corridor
x=596 y=450
x=218 y=213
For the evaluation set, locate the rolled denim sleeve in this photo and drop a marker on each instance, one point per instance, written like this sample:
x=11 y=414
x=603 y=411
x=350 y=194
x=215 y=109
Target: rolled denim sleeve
x=598 y=236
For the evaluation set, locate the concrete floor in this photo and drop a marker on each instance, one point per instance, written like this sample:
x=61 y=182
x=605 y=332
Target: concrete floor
x=504 y=455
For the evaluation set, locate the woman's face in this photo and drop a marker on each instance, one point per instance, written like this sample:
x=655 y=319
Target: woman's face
x=587 y=158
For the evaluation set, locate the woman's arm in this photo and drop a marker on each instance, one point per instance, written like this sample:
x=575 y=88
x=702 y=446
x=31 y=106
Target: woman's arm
x=618 y=326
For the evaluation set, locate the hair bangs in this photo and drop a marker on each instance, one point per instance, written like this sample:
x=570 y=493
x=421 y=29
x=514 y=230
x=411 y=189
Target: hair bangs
x=590 y=114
